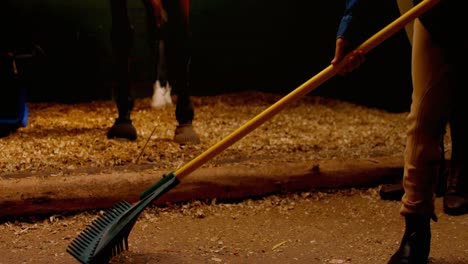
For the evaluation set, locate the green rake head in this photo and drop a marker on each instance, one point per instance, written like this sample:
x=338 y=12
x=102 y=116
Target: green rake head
x=100 y=241
x=107 y=236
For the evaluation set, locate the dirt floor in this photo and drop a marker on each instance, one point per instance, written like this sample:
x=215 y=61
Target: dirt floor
x=318 y=226
x=347 y=226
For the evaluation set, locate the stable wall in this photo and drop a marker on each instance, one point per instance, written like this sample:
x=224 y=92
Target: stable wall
x=267 y=45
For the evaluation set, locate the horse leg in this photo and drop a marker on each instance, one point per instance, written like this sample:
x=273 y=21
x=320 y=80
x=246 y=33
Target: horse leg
x=185 y=133
x=121 y=42
x=161 y=88
x=178 y=52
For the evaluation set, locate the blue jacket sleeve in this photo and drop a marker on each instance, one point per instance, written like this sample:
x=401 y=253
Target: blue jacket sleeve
x=347 y=19
x=354 y=25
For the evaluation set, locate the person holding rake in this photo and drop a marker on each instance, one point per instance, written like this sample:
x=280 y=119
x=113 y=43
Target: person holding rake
x=439 y=55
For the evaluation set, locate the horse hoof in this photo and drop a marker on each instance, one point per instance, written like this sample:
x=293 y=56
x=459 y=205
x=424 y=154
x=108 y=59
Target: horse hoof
x=185 y=134
x=122 y=130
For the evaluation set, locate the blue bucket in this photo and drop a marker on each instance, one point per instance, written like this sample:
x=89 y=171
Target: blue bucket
x=13 y=107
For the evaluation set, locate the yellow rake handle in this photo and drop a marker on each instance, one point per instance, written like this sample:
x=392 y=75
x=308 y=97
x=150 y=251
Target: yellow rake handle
x=302 y=90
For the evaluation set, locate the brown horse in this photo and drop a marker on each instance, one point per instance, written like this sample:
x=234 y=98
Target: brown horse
x=168 y=21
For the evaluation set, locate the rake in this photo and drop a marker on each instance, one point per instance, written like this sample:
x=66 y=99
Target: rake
x=107 y=236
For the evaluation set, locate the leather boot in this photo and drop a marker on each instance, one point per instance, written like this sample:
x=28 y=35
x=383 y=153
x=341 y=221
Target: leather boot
x=416 y=242
x=456 y=195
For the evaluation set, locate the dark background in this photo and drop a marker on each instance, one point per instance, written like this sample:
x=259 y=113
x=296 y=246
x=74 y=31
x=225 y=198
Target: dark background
x=266 y=45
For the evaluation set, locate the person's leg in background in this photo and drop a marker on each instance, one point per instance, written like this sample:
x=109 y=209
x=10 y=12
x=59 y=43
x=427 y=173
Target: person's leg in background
x=456 y=194
x=121 y=42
